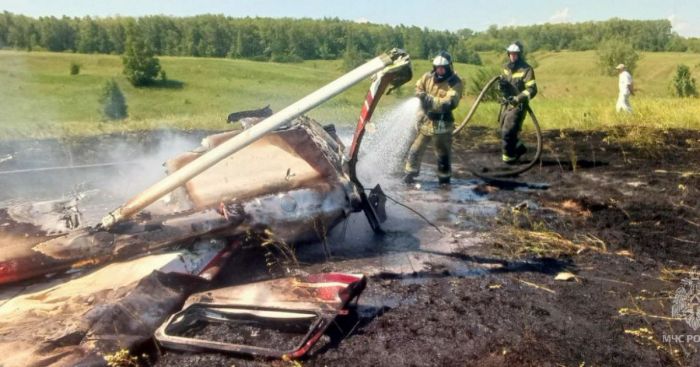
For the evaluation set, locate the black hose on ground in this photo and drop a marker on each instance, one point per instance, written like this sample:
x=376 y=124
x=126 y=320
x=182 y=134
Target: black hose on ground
x=489 y=173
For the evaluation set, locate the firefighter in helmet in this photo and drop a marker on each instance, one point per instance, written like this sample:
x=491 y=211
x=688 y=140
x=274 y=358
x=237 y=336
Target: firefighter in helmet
x=439 y=92
x=518 y=87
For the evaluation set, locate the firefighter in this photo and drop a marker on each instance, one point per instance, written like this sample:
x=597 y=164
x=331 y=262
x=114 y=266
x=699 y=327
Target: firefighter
x=439 y=93
x=518 y=87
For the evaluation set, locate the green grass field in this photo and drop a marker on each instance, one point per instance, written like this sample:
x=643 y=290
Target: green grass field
x=39 y=98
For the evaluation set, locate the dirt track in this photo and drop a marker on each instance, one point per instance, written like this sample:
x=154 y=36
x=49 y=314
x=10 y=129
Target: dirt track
x=625 y=219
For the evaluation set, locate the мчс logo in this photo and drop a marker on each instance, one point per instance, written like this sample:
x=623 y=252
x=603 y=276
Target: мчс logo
x=686 y=302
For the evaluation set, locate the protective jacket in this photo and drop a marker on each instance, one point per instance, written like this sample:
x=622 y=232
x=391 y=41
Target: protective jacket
x=435 y=116
x=519 y=81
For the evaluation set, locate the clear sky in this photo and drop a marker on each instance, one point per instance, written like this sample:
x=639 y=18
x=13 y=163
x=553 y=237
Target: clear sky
x=440 y=14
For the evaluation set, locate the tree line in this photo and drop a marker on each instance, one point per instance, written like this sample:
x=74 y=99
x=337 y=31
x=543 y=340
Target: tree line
x=289 y=40
x=642 y=35
x=282 y=39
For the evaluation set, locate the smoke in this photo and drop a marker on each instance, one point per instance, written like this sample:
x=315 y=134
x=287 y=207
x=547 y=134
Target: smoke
x=103 y=171
x=146 y=161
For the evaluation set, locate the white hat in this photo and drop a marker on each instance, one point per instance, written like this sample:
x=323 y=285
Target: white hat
x=620 y=67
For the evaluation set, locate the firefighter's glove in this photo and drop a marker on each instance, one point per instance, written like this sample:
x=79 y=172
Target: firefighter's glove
x=514 y=100
x=426 y=100
x=503 y=85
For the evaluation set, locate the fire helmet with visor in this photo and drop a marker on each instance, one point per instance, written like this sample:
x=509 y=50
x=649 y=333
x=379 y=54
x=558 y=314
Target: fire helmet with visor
x=443 y=59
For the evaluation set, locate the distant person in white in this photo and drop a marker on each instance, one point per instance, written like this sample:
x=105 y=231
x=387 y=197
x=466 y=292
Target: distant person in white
x=626 y=89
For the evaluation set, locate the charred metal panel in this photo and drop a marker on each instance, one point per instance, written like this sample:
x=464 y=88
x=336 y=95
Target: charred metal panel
x=280 y=161
x=281 y=318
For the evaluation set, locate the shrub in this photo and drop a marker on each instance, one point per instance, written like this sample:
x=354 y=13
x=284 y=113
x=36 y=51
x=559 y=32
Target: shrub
x=479 y=80
x=113 y=101
x=683 y=84
x=140 y=66
x=74 y=68
x=614 y=52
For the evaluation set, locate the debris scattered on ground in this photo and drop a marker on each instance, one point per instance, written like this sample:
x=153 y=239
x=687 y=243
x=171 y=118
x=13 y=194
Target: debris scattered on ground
x=565 y=276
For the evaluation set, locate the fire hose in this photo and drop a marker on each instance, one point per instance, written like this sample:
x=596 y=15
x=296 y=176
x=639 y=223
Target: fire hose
x=491 y=172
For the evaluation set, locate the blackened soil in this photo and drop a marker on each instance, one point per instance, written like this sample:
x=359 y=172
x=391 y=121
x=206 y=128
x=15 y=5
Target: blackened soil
x=636 y=208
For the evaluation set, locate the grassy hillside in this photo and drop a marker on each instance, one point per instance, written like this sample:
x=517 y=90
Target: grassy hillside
x=573 y=93
x=39 y=98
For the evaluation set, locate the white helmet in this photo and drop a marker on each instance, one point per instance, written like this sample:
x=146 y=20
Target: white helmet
x=514 y=47
x=441 y=60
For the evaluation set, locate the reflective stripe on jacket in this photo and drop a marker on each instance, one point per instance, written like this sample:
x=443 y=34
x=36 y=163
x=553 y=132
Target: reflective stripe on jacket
x=522 y=78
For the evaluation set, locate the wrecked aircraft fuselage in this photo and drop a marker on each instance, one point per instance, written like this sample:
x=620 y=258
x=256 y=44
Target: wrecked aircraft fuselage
x=289 y=176
x=290 y=181
x=295 y=180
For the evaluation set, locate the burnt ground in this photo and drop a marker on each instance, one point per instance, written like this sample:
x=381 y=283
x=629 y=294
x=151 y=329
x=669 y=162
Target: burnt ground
x=622 y=214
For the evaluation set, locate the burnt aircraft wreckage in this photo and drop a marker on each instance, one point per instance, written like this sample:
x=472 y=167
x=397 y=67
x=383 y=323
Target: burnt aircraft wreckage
x=286 y=173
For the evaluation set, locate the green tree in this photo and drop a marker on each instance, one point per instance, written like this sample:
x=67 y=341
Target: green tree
x=463 y=53
x=352 y=57
x=614 y=52
x=415 y=43
x=683 y=83
x=113 y=101
x=56 y=34
x=115 y=30
x=140 y=66
x=88 y=36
